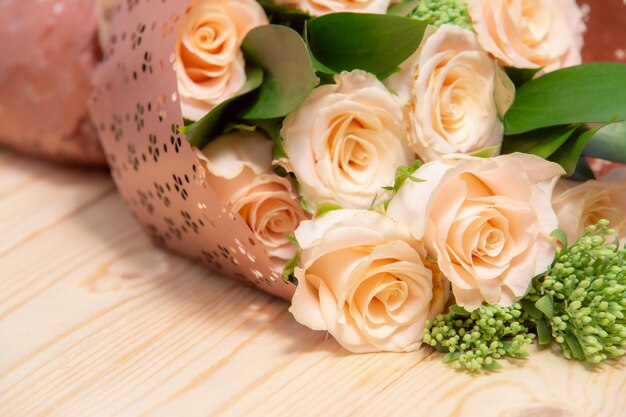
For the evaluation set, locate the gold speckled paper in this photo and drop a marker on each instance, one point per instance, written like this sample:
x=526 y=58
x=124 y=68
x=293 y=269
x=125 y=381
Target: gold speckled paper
x=136 y=111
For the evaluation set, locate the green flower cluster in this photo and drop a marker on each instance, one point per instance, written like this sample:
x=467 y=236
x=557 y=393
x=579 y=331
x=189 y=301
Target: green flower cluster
x=474 y=341
x=444 y=11
x=582 y=298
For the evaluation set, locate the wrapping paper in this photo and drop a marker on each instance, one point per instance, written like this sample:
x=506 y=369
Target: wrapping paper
x=136 y=110
x=49 y=50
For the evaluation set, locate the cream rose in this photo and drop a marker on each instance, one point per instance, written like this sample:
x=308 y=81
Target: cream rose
x=346 y=140
x=487 y=221
x=322 y=7
x=579 y=205
x=238 y=169
x=209 y=64
x=530 y=33
x=453 y=95
x=361 y=278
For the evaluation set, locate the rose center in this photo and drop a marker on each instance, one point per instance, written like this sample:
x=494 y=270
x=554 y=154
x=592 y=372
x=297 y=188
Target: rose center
x=393 y=296
x=537 y=21
x=207 y=39
x=490 y=242
x=352 y=148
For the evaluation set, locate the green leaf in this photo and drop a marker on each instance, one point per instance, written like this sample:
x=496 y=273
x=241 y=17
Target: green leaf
x=583 y=171
x=323 y=208
x=325 y=73
x=567 y=155
x=561 y=236
x=574 y=344
x=404 y=173
x=451 y=357
x=241 y=127
x=520 y=76
x=287 y=67
x=404 y=8
x=529 y=307
x=493 y=366
x=292 y=239
x=488 y=152
x=201 y=132
x=272 y=128
x=590 y=93
x=543 y=142
x=459 y=311
x=288 y=270
x=609 y=143
x=371 y=42
x=544 y=335
x=546 y=305
x=285 y=14
x=306 y=205
x=519 y=355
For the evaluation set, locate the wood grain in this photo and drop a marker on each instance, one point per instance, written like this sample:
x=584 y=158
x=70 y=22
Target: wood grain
x=95 y=321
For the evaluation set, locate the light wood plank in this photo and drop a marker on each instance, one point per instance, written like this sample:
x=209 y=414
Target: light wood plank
x=35 y=194
x=96 y=321
x=545 y=385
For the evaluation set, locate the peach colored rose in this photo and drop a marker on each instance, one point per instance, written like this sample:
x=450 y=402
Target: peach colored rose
x=487 y=221
x=361 y=278
x=530 y=33
x=579 y=205
x=453 y=95
x=238 y=169
x=346 y=140
x=322 y=7
x=209 y=64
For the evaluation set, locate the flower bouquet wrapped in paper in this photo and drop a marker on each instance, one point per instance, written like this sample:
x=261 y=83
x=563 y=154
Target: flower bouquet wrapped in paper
x=49 y=51
x=393 y=168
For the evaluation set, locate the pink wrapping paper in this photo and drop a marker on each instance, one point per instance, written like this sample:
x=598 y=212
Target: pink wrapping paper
x=49 y=50
x=136 y=110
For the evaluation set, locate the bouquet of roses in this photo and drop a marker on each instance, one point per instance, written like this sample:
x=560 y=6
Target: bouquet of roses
x=392 y=167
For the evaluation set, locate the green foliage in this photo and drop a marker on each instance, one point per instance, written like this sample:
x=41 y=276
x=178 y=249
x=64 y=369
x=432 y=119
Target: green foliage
x=543 y=142
x=568 y=155
x=582 y=298
x=488 y=152
x=404 y=173
x=609 y=143
x=371 y=42
x=288 y=272
x=475 y=341
x=440 y=12
x=590 y=93
x=549 y=114
x=561 y=144
x=287 y=68
x=324 y=207
x=583 y=171
x=403 y=8
x=202 y=131
x=273 y=53
x=521 y=76
x=285 y=14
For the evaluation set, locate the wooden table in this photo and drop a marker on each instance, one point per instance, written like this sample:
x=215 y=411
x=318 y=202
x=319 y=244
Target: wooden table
x=96 y=321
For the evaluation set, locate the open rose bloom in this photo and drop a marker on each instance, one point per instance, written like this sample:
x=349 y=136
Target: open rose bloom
x=276 y=145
